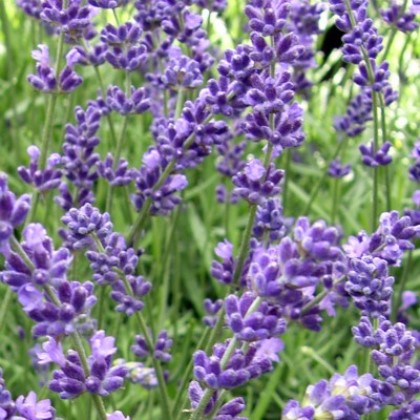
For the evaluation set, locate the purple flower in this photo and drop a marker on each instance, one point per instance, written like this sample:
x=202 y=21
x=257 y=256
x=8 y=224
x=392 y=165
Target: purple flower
x=239 y=369
x=397 y=16
x=107 y=4
x=373 y=158
x=270 y=223
x=45 y=78
x=254 y=182
x=137 y=103
x=359 y=112
x=338 y=170
x=29 y=408
x=43 y=179
x=349 y=396
x=370 y=285
x=12 y=212
x=263 y=323
x=211 y=309
x=161 y=349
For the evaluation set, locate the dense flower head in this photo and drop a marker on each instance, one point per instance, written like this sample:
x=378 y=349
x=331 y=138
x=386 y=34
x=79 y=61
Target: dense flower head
x=270 y=224
x=247 y=325
x=79 y=157
x=136 y=102
x=163 y=197
x=46 y=80
x=389 y=242
x=370 y=285
x=70 y=380
x=82 y=224
x=395 y=15
x=238 y=370
x=116 y=174
x=13 y=212
x=181 y=72
x=161 y=350
x=267 y=17
x=42 y=179
x=74 y=19
x=344 y=396
x=358 y=113
x=255 y=182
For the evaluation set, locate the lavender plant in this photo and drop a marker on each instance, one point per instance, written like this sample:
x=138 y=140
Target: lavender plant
x=158 y=133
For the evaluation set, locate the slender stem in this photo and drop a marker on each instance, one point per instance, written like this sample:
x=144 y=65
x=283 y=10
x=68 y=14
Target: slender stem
x=384 y=139
x=10 y=76
x=158 y=368
x=49 y=122
x=137 y=228
x=375 y=169
x=394 y=31
x=321 y=180
x=7 y=298
x=288 y=156
x=97 y=400
x=335 y=199
x=375 y=95
x=108 y=116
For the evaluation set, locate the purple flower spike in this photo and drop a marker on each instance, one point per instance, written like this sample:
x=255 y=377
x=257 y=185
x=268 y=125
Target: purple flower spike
x=211 y=308
x=378 y=158
x=43 y=179
x=81 y=223
x=107 y=4
x=403 y=20
x=255 y=182
x=182 y=72
x=161 y=349
x=116 y=176
x=45 y=78
x=264 y=323
x=241 y=368
x=118 y=101
x=29 y=408
x=338 y=170
x=13 y=212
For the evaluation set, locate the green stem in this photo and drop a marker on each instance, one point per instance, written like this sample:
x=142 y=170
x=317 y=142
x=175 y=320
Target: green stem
x=108 y=116
x=394 y=32
x=158 y=368
x=375 y=169
x=7 y=298
x=375 y=95
x=97 y=400
x=321 y=180
x=49 y=122
x=335 y=200
x=10 y=75
x=288 y=156
x=384 y=139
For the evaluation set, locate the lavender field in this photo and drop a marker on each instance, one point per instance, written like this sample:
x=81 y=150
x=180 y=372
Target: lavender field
x=209 y=209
